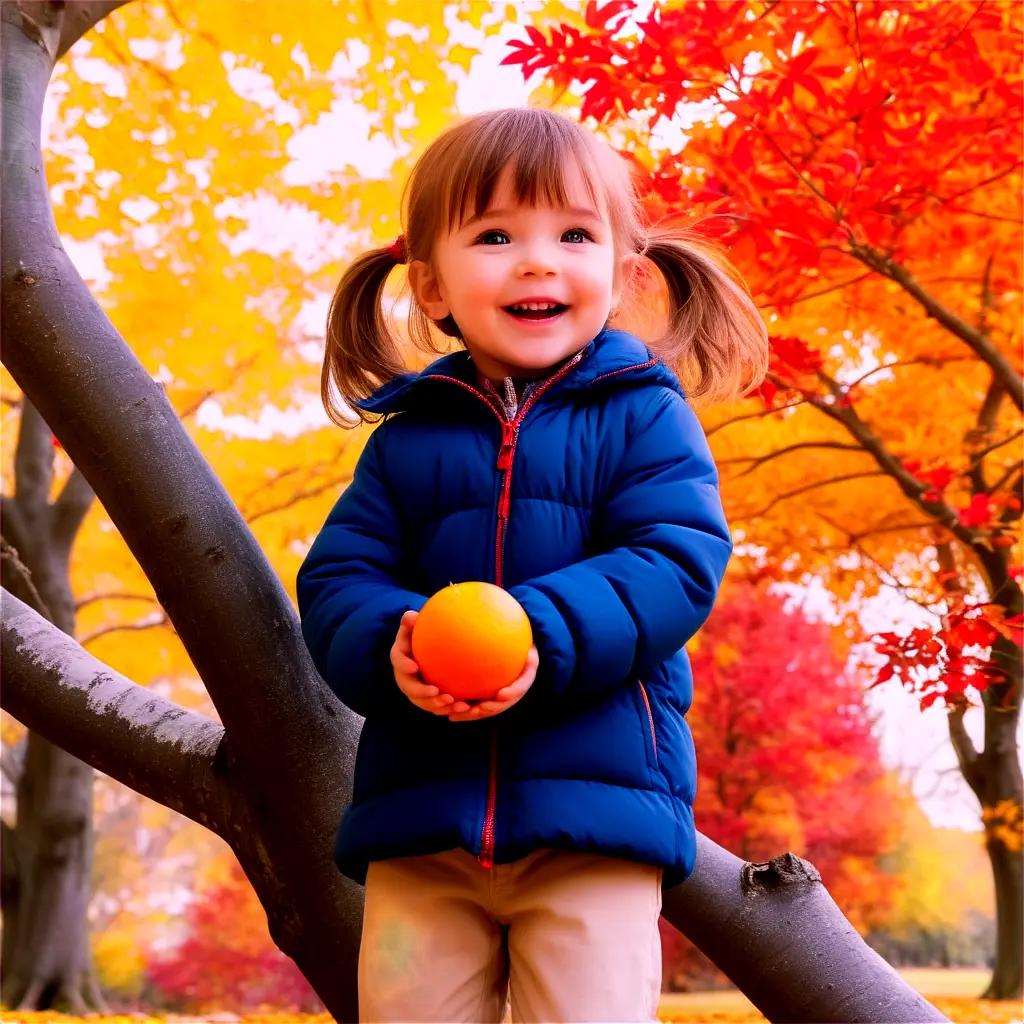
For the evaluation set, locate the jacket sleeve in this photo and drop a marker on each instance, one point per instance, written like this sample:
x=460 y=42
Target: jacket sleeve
x=349 y=595
x=612 y=617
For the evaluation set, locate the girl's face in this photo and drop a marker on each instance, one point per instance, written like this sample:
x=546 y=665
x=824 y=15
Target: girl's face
x=518 y=254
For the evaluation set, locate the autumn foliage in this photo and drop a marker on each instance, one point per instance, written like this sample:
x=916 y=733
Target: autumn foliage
x=227 y=958
x=786 y=757
x=861 y=164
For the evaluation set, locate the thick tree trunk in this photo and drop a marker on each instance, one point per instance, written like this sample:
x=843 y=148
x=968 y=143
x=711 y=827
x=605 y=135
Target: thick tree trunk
x=1004 y=787
x=994 y=774
x=274 y=778
x=46 y=958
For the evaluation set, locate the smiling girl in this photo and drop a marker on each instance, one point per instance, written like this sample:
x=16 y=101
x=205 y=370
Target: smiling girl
x=518 y=846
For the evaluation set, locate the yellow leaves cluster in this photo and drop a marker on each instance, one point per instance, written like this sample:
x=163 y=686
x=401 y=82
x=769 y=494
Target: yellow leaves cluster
x=946 y=877
x=1004 y=824
x=119 y=960
x=773 y=816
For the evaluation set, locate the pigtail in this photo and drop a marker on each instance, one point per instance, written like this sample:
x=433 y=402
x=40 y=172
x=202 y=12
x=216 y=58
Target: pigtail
x=715 y=332
x=361 y=353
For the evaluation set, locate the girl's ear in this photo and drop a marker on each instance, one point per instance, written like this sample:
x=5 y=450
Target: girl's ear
x=426 y=287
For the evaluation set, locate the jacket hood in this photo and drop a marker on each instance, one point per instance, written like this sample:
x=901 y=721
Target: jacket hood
x=612 y=358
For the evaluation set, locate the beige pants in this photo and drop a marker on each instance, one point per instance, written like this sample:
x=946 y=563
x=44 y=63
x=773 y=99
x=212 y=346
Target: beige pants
x=566 y=936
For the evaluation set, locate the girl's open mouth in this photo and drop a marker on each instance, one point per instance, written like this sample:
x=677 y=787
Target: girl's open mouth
x=524 y=313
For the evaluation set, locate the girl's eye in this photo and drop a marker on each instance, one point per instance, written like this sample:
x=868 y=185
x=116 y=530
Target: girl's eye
x=490 y=234
x=580 y=231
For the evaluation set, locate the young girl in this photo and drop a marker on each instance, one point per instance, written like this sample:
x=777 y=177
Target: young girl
x=518 y=846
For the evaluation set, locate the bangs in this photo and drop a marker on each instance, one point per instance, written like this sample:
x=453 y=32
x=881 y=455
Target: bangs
x=543 y=156
x=538 y=154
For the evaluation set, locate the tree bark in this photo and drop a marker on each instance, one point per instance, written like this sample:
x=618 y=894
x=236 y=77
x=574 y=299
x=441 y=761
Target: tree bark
x=774 y=930
x=994 y=775
x=44 y=899
x=273 y=778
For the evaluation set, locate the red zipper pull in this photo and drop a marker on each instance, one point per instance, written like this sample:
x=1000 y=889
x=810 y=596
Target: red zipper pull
x=505 y=501
x=508 y=436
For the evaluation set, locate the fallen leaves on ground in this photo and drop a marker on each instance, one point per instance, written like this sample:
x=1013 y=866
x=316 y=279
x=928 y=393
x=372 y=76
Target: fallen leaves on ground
x=959 y=1011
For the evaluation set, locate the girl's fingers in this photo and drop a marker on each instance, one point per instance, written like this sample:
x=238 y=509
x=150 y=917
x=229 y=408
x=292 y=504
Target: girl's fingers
x=529 y=669
x=404 y=639
x=525 y=680
x=516 y=689
x=500 y=703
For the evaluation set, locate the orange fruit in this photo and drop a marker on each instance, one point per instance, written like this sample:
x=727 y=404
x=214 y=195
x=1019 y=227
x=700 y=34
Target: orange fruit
x=471 y=639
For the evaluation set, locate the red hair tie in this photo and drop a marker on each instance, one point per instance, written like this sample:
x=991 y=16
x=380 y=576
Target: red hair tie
x=398 y=250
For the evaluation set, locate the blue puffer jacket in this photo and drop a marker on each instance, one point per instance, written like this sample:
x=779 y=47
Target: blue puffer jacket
x=597 y=507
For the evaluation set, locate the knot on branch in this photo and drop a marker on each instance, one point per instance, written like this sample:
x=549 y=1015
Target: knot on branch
x=778 y=873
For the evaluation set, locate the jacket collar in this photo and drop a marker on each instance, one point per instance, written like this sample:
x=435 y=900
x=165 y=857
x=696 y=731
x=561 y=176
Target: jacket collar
x=612 y=357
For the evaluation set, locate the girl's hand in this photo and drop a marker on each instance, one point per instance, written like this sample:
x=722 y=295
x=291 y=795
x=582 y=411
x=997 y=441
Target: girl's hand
x=503 y=699
x=407 y=674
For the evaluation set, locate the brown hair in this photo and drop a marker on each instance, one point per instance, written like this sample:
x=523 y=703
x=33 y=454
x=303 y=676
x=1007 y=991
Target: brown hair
x=714 y=328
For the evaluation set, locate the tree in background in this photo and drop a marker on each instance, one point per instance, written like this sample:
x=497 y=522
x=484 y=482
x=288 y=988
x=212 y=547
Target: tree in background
x=946 y=917
x=861 y=163
x=786 y=757
x=227 y=957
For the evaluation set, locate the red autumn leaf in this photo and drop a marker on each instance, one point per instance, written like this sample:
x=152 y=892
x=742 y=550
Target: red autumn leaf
x=603 y=17
x=978 y=512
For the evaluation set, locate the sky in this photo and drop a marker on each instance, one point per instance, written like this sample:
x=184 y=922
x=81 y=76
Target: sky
x=914 y=743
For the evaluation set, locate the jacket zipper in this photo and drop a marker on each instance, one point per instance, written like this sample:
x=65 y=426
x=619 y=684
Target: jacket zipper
x=506 y=455
x=650 y=719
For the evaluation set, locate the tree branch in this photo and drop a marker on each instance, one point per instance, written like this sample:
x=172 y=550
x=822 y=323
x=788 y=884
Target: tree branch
x=966 y=752
x=159 y=620
x=227 y=604
x=986 y=420
x=982 y=452
x=803 y=490
x=976 y=340
x=33 y=470
x=57 y=689
x=759 y=460
x=760 y=414
x=871 y=442
x=887 y=578
x=23 y=577
x=112 y=595
x=936 y=361
x=70 y=508
x=794 y=939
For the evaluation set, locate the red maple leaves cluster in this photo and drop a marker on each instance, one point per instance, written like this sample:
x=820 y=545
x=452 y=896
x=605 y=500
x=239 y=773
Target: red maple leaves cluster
x=935 y=663
x=980 y=513
x=228 y=958
x=808 y=165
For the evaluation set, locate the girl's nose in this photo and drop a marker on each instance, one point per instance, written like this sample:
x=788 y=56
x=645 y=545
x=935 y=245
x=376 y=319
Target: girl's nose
x=537 y=259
